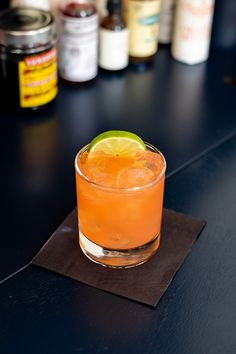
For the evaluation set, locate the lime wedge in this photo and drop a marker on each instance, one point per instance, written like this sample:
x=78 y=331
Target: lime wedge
x=117 y=142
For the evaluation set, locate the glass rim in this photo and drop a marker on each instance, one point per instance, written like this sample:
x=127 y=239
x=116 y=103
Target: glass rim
x=118 y=189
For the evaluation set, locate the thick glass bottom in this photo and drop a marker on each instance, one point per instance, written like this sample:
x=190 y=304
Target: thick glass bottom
x=118 y=258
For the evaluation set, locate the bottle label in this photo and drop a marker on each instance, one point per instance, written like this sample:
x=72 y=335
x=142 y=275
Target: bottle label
x=38 y=79
x=78 y=54
x=113 y=51
x=40 y=4
x=143 y=21
x=192 y=30
x=166 y=21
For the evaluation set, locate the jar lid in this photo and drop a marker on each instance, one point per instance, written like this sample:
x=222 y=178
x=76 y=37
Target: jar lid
x=25 y=27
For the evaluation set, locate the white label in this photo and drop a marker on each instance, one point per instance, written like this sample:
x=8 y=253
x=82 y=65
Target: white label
x=192 y=30
x=166 y=21
x=39 y=4
x=78 y=48
x=113 y=50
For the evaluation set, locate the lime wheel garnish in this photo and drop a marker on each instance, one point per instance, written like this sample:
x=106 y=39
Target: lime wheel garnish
x=117 y=142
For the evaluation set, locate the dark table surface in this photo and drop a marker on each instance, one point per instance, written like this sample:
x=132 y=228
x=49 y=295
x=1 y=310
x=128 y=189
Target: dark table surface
x=190 y=114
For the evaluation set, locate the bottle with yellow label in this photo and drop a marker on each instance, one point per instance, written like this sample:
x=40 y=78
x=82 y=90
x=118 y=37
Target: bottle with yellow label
x=28 y=58
x=143 y=23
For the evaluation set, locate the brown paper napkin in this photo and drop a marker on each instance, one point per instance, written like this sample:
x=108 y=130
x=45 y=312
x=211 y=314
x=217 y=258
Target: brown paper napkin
x=145 y=283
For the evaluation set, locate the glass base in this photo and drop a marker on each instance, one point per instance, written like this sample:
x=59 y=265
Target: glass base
x=118 y=258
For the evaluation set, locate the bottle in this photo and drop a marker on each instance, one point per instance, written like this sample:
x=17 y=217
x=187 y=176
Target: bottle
x=101 y=6
x=54 y=6
x=39 y=4
x=113 y=39
x=192 y=31
x=55 y=9
x=166 y=21
x=224 y=33
x=124 y=9
x=28 y=58
x=142 y=19
x=78 y=42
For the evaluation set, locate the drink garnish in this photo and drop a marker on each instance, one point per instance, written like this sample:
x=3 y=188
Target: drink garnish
x=117 y=143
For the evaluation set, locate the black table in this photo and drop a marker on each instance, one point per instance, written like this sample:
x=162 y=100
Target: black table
x=187 y=112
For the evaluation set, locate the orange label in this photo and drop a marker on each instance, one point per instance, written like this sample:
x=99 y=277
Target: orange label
x=38 y=79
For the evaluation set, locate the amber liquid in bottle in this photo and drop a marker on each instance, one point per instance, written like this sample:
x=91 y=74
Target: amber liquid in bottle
x=113 y=21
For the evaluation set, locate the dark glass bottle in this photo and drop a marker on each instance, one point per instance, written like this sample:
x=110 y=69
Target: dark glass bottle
x=113 y=39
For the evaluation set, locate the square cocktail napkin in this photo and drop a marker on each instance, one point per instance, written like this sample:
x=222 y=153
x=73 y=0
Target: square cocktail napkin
x=145 y=283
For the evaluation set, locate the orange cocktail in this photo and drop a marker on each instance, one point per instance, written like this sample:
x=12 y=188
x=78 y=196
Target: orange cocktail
x=120 y=205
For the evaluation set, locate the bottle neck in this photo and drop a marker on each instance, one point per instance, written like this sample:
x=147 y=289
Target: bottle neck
x=115 y=13
x=114 y=7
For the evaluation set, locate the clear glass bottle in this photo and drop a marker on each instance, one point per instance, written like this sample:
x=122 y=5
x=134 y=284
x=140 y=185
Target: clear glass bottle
x=78 y=41
x=113 y=39
x=142 y=20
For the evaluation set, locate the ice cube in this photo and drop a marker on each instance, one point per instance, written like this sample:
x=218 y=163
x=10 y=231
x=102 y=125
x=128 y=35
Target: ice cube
x=134 y=177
